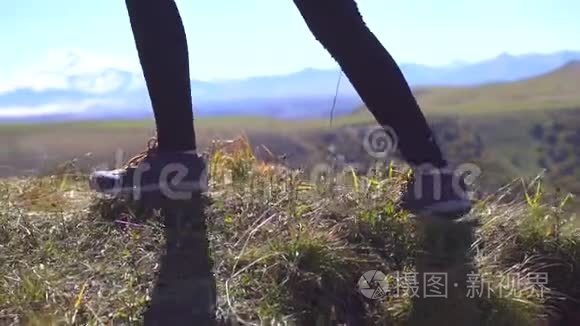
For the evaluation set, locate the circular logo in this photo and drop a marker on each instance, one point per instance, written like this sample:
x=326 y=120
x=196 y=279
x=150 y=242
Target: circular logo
x=373 y=285
x=380 y=141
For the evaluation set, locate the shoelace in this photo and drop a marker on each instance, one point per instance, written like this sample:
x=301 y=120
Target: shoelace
x=152 y=146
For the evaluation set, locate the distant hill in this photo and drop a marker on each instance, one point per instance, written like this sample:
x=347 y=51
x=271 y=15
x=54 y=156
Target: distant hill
x=557 y=89
x=502 y=68
x=318 y=82
x=304 y=94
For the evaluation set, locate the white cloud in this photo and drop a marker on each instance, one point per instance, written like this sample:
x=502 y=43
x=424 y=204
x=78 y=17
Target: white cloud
x=72 y=69
x=70 y=107
x=100 y=83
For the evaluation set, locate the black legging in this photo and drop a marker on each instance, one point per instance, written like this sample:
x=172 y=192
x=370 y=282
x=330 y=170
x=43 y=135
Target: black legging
x=336 y=24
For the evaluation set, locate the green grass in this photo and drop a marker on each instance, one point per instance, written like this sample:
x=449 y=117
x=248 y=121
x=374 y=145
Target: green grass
x=285 y=248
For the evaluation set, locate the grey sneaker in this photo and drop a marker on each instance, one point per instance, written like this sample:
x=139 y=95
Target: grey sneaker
x=153 y=174
x=437 y=192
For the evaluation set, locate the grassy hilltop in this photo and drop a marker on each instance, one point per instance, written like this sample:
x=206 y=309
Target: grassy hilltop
x=286 y=248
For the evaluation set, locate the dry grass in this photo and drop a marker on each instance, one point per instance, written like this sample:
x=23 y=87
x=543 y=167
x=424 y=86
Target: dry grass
x=286 y=249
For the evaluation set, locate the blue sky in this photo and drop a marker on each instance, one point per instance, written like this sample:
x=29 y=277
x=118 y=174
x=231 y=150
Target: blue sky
x=234 y=38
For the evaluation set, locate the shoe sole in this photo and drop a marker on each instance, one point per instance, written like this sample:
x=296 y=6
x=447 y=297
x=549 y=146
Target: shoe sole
x=183 y=188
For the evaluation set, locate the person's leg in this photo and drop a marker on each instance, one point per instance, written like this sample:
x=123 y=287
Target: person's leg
x=185 y=288
x=339 y=27
x=162 y=47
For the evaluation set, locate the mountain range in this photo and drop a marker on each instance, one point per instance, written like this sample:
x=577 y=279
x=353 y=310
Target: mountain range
x=114 y=93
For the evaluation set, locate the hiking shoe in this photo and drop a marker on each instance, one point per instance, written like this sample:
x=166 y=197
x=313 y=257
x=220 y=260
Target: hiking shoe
x=154 y=174
x=438 y=192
